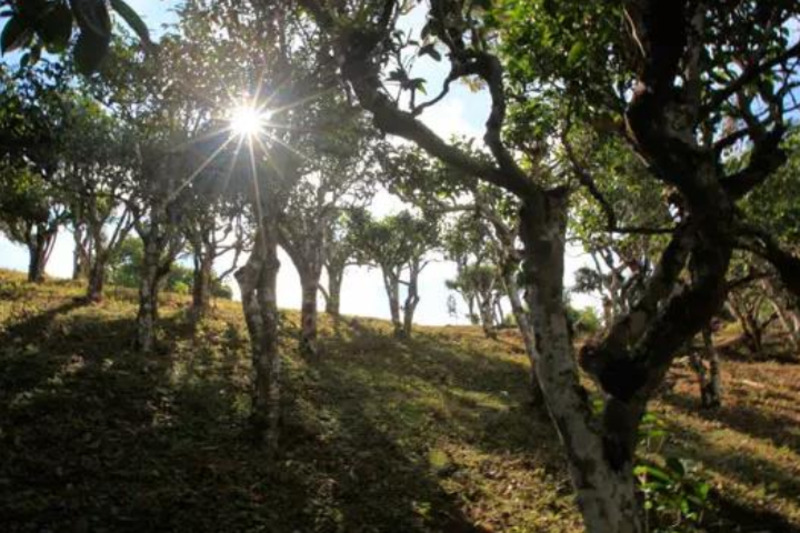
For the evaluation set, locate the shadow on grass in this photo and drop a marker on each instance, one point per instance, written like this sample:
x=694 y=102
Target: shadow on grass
x=100 y=438
x=751 y=471
x=744 y=419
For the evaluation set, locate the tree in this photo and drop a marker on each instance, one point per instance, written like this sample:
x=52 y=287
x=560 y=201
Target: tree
x=340 y=178
x=31 y=118
x=30 y=215
x=653 y=68
x=397 y=244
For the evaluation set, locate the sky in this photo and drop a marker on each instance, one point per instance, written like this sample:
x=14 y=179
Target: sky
x=462 y=112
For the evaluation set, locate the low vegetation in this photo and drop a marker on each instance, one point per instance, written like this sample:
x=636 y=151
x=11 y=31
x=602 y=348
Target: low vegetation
x=432 y=433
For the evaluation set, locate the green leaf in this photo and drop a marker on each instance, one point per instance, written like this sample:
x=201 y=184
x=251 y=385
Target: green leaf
x=56 y=28
x=430 y=50
x=133 y=19
x=90 y=50
x=15 y=35
x=575 y=53
x=676 y=465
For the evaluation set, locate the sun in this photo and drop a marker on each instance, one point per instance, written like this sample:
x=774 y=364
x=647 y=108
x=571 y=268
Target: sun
x=247 y=121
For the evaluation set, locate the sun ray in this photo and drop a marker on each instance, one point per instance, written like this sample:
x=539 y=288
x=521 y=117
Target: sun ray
x=197 y=172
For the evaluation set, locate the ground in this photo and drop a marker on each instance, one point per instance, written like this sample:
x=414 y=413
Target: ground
x=429 y=434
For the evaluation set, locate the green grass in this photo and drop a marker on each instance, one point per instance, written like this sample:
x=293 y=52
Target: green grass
x=431 y=434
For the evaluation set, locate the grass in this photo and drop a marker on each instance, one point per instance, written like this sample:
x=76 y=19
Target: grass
x=431 y=434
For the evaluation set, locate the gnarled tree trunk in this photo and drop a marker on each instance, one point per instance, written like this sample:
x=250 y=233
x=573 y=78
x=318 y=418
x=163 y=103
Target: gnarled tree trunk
x=708 y=379
x=201 y=283
x=257 y=280
x=601 y=470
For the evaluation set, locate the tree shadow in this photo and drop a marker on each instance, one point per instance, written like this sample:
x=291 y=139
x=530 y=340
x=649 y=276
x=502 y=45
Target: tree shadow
x=99 y=437
x=757 y=473
x=744 y=419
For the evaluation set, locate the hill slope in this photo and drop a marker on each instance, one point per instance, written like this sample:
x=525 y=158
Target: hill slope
x=433 y=434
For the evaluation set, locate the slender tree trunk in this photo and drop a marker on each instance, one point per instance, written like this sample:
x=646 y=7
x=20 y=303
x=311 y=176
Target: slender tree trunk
x=412 y=300
x=787 y=323
x=487 y=317
x=258 y=283
x=600 y=461
x=713 y=393
x=148 y=296
x=309 y=280
x=332 y=304
x=96 y=282
x=201 y=284
x=392 y=284
x=80 y=265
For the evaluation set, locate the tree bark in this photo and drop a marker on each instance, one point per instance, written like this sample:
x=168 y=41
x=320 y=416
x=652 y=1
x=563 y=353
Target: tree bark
x=80 y=263
x=708 y=379
x=600 y=460
x=258 y=283
x=412 y=300
x=201 y=284
x=148 y=297
x=487 y=316
x=333 y=302
x=309 y=281
x=39 y=246
x=526 y=330
x=97 y=279
x=392 y=284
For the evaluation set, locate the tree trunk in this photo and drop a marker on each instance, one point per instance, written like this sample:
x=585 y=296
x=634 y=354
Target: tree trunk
x=335 y=278
x=707 y=379
x=788 y=323
x=201 y=285
x=39 y=246
x=97 y=279
x=600 y=460
x=80 y=265
x=308 y=316
x=412 y=300
x=258 y=283
x=392 y=284
x=526 y=330
x=487 y=317
x=713 y=393
x=148 y=297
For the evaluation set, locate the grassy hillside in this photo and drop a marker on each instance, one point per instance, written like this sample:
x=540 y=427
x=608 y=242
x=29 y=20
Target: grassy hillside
x=433 y=434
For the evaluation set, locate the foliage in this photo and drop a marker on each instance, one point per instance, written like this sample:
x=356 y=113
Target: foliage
x=48 y=24
x=676 y=498
x=125 y=271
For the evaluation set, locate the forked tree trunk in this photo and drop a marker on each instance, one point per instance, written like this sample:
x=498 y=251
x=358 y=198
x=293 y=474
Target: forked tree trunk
x=603 y=482
x=309 y=280
x=258 y=283
x=392 y=284
x=39 y=246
